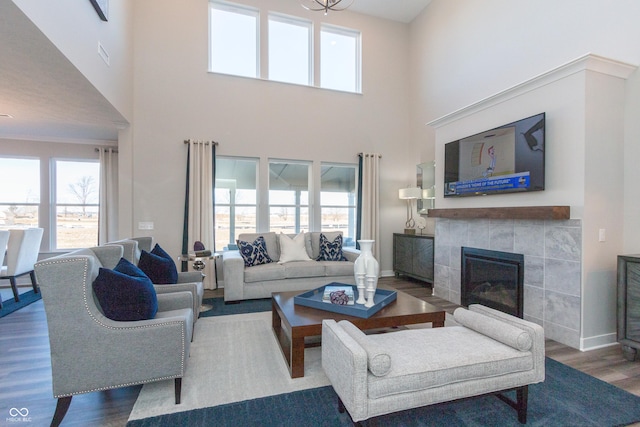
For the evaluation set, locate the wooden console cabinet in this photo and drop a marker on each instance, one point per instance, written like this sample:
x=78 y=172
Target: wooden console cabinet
x=413 y=256
x=629 y=305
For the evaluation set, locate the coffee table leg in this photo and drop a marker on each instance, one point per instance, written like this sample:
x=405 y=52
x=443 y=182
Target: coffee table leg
x=297 y=357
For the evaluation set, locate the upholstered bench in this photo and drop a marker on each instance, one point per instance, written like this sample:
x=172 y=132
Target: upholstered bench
x=489 y=352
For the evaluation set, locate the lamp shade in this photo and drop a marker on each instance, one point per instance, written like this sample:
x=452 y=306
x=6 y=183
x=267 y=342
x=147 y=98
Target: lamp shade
x=410 y=193
x=429 y=193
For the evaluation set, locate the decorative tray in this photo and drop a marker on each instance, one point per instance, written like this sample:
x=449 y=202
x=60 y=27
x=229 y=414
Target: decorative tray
x=313 y=299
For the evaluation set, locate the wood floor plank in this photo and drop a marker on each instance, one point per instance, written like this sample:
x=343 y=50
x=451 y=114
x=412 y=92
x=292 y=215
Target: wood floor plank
x=25 y=366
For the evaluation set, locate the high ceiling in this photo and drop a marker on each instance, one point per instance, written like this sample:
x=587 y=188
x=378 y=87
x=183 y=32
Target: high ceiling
x=49 y=99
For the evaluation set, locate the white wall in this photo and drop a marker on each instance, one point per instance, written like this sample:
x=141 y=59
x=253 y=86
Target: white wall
x=75 y=28
x=176 y=99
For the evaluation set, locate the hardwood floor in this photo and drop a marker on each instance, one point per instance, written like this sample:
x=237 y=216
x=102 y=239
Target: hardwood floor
x=25 y=367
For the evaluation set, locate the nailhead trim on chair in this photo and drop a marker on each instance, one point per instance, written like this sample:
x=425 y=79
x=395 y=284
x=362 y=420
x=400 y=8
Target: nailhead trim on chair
x=86 y=269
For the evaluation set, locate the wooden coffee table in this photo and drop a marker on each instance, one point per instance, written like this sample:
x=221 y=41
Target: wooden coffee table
x=292 y=323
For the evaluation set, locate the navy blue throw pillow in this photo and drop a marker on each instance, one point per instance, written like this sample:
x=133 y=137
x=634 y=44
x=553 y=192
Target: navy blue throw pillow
x=254 y=253
x=330 y=251
x=123 y=297
x=159 y=266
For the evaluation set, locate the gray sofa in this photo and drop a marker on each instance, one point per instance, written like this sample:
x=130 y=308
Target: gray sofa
x=487 y=352
x=90 y=352
x=260 y=281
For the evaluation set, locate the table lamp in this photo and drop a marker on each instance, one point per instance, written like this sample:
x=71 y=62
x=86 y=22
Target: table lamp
x=410 y=194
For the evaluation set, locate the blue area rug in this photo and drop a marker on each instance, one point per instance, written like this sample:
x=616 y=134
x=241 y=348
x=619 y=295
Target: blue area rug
x=9 y=306
x=242 y=307
x=567 y=397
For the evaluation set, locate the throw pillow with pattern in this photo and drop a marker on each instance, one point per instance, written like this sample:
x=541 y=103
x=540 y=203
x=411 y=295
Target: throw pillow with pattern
x=254 y=253
x=331 y=251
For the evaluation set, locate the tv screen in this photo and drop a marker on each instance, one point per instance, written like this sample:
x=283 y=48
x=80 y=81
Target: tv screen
x=506 y=159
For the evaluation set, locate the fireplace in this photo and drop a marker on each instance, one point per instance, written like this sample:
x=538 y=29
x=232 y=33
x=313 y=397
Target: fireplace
x=492 y=278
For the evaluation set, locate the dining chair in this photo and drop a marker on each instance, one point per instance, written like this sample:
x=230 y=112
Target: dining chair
x=22 y=253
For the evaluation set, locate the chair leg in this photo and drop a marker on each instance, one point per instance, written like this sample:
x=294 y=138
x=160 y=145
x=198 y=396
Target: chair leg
x=14 y=288
x=61 y=410
x=177 y=385
x=33 y=282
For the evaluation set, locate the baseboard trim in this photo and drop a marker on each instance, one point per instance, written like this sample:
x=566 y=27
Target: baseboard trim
x=599 y=341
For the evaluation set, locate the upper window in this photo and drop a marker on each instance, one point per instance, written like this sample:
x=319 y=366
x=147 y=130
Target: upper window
x=233 y=39
x=290 y=50
x=340 y=59
x=19 y=192
x=76 y=201
x=235 y=199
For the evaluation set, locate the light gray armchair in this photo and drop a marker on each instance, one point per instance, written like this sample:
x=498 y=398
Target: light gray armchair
x=190 y=281
x=90 y=352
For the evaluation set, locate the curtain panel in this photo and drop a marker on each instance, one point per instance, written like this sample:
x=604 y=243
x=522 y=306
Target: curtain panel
x=108 y=204
x=369 y=198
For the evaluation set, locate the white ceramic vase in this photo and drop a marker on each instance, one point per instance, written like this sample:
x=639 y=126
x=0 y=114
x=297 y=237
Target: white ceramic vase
x=366 y=270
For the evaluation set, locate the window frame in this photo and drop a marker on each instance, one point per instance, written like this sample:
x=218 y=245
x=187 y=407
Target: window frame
x=357 y=36
x=351 y=226
x=297 y=207
x=294 y=21
x=241 y=10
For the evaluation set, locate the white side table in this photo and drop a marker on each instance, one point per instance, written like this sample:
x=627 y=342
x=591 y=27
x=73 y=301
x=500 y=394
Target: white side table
x=199 y=264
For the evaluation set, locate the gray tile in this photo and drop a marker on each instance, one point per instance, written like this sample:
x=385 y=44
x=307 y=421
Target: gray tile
x=454 y=280
x=441 y=276
x=442 y=231
x=534 y=271
x=563 y=243
x=529 y=238
x=501 y=236
x=534 y=302
x=562 y=276
x=459 y=230
x=442 y=253
x=455 y=257
x=479 y=233
x=563 y=310
x=561 y=334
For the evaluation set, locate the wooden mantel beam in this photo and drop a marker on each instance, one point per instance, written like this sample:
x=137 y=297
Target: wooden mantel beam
x=520 y=212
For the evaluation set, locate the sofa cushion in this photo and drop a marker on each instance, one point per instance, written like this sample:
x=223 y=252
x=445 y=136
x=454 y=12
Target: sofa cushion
x=254 y=253
x=337 y=268
x=259 y=273
x=330 y=250
x=312 y=241
x=292 y=249
x=494 y=328
x=378 y=359
x=304 y=269
x=125 y=297
x=270 y=241
x=158 y=266
x=443 y=356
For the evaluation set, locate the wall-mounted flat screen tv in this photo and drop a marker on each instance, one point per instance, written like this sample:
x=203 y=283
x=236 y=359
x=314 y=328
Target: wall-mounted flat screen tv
x=506 y=159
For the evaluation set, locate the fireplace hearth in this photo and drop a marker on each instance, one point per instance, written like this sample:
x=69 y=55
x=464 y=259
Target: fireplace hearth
x=494 y=279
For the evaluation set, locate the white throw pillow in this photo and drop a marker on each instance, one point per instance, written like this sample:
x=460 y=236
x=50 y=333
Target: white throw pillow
x=292 y=249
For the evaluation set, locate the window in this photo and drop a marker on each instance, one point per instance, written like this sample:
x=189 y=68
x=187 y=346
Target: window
x=19 y=192
x=288 y=196
x=235 y=199
x=340 y=59
x=76 y=198
x=338 y=199
x=233 y=39
x=290 y=50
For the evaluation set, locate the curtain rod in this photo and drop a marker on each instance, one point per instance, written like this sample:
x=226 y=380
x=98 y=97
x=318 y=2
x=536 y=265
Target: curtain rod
x=113 y=150
x=186 y=141
x=370 y=155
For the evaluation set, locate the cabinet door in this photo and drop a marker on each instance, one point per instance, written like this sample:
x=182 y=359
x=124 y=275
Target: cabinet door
x=423 y=258
x=402 y=253
x=632 y=318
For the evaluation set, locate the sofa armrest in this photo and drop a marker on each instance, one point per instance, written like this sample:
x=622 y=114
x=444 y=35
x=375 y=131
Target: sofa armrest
x=344 y=362
x=175 y=301
x=189 y=276
x=233 y=273
x=195 y=289
x=536 y=331
x=350 y=253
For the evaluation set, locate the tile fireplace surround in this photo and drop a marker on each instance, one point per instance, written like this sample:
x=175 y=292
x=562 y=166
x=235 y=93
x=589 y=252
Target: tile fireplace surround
x=552 y=252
